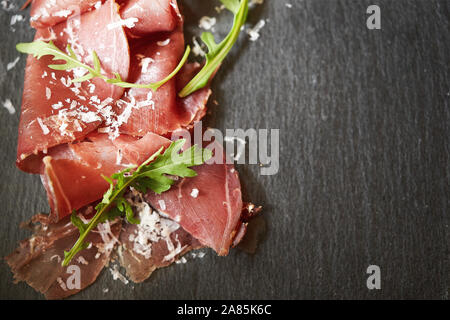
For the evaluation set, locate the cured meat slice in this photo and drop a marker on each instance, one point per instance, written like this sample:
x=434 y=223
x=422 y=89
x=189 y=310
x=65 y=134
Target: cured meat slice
x=47 y=13
x=207 y=206
x=194 y=105
x=37 y=260
x=55 y=110
x=151 y=15
x=161 y=112
x=155 y=243
x=72 y=173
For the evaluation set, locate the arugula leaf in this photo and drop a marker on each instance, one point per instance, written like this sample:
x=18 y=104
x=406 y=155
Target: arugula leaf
x=150 y=175
x=217 y=52
x=41 y=48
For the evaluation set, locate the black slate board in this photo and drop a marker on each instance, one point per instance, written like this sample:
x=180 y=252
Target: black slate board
x=364 y=163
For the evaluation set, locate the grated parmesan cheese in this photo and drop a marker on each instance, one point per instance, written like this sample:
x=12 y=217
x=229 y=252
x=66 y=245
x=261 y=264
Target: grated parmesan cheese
x=181 y=260
x=194 y=193
x=44 y=128
x=254 y=32
x=117 y=275
x=162 y=204
x=48 y=93
x=16 y=18
x=154 y=227
x=197 y=49
x=163 y=43
x=9 y=106
x=145 y=62
x=207 y=23
x=12 y=64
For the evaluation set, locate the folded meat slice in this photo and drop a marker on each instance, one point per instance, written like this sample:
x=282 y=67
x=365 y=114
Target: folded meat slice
x=161 y=112
x=37 y=260
x=72 y=173
x=55 y=110
x=154 y=243
x=47 y=13
x=207 y=206
x=151 y=15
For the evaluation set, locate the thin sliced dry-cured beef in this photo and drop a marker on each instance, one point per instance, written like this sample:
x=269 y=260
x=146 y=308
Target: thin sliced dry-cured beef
x=37 y=260
x=47 y=13
x=161 y=112
x=55 y=110
x=155 y=243
x=151 y=15
x=194 y=105
x=72 y=173
x=207 y=206
x=73 y=133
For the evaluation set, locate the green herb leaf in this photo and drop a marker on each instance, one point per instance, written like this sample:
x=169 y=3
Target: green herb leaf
x=218 y=52
x=40 y=48
x=76 y=221
x=150 y=175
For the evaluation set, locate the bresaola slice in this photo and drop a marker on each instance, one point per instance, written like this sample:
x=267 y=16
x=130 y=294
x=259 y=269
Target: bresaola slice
x=161 y=112
x=207 y=206
x=47 y=13
x=37 y=260
x=72 y=174
x=56 y=111
x=152 y=15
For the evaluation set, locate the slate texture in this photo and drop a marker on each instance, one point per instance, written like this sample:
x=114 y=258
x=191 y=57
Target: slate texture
x=364 y=155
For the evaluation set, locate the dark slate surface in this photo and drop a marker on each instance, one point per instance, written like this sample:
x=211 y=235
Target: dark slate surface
x=364 y=163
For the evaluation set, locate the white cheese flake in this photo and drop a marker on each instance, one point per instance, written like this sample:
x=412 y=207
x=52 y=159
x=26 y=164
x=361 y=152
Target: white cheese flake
x=145 y=62
x=44 y=128
x=48 y=93
x=207 y=23
x=63 y=13
x=197 y=48
x=12 y=64
x=163 y=43
x=194 y=193
x=7 y=6
x=181 y=260
x=9 y=106
x=162 y=204
x=16 y=18
x=254 y=32
x=117 y=275
x=153 y=228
